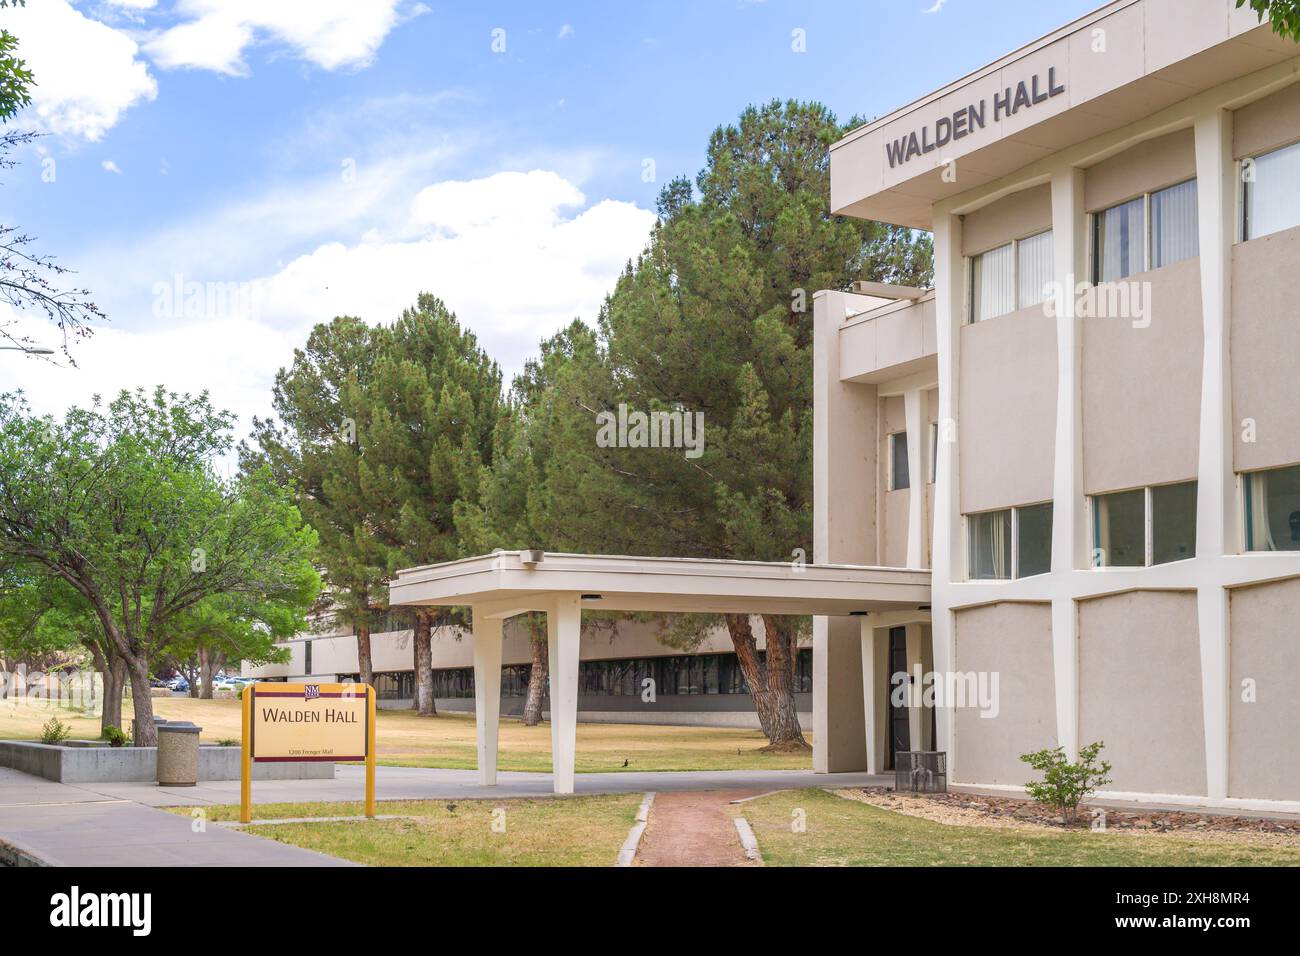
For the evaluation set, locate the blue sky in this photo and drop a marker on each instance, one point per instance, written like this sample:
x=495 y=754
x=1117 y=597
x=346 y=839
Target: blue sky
x=333 y=157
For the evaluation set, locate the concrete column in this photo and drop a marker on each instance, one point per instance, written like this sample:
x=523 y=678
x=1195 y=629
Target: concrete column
x=948 y=561
x=487 y=693
x=1217 y=523
x=839 y=722
x=563 y=631
x=917 y=472
x=844 y=531
x=874 y=729
x=1071 y=545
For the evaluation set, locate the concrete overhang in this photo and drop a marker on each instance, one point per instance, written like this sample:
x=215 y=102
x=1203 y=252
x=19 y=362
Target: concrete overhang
x=506 y=583
x=1116 y=65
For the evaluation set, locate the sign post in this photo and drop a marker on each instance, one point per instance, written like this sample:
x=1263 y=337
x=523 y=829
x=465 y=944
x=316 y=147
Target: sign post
x=292 y=723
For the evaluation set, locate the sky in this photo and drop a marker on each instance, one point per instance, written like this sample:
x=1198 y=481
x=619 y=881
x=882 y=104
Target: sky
x=224 y=174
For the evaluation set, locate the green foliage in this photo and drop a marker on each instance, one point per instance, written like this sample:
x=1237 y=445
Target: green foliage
x=1065 y=785
x=15 y=78
x=1283 y=14
x=115 y=736
x=124 y=506
x=55 y=731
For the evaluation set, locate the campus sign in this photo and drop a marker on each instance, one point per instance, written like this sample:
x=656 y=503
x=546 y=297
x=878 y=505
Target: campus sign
x=288 y=723
x=947 y=129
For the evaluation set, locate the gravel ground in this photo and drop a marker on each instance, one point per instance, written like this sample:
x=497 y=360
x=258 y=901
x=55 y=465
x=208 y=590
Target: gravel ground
x=967 y=809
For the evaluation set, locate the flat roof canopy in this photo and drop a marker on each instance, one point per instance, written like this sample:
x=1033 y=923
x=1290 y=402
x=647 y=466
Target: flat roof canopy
x=512 y=583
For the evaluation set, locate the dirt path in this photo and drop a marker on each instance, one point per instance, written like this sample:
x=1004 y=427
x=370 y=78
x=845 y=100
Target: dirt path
x=693 y=829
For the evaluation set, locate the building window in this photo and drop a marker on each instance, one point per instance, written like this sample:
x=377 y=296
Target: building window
x=898 y=475
x=1173 y=522
x=1270 y=196
x=1272 y=500
x=1122 y=245
x=1145 y=526
x=1011 y=543
x=306 y=657
x=989 y=540
x=1033 y=540
x=1174 y=233
x=1034 y=269
x=1011 y=277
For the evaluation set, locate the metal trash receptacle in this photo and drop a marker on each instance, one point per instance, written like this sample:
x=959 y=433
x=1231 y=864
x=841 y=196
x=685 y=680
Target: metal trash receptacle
x=178 y=754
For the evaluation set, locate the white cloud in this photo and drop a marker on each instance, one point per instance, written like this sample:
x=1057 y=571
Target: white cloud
x=500 y=251
x=86 y=72
x=516 y=255
x=566 y=31
x=111 y=167
x=329 y=33
x=938 y=5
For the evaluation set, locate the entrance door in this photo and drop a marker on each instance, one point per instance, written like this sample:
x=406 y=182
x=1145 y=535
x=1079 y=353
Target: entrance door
x=899 y=730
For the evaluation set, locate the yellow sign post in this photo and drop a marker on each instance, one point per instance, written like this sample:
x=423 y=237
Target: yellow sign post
x=290 y=723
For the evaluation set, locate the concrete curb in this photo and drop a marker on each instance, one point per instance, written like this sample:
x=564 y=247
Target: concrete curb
x=12 y=855
x=748 y=840
x=628 y=853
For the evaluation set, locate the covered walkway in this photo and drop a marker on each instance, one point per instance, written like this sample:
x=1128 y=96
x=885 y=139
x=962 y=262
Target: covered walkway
x=501 y=585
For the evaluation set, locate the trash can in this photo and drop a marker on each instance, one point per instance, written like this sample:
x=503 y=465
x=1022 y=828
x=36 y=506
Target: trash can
x=135 y=727
x=178 y=754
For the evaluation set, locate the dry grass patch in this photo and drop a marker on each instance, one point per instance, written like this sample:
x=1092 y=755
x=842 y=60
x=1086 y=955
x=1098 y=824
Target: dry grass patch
x=404 y=739
x=559 y=831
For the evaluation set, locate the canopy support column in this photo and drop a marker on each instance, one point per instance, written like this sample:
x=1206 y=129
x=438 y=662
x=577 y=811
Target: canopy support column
x=563 y=631
x=487 y=693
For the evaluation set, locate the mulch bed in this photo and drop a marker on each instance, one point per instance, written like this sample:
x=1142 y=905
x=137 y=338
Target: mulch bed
x=1150 y=820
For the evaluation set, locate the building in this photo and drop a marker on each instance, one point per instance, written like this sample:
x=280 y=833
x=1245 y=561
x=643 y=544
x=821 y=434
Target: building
x=1090 y=428
x=1063 y=486
x=699 y=687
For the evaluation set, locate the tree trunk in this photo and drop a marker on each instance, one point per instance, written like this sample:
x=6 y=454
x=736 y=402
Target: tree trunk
x=536 y=678
x=771 y=684
x=364 y=661
x=114 y=687
x=210 y=662
x=424 y=703
x=113 y=669
x=142 y=704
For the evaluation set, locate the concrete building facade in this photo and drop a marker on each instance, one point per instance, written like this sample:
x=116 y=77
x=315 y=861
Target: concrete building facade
x=1095 y=405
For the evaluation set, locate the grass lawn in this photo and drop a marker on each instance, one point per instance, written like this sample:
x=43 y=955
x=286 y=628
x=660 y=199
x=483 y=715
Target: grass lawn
x=571 y=831
x=407 y=740
x=844 y=832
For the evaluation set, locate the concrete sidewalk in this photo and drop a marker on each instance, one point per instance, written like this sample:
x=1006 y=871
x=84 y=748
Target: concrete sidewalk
x=62 y=825
x=421 y=783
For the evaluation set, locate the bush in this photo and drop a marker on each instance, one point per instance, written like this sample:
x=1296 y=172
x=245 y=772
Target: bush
x=1065 y=785
x=115 y=737
x=55 y=731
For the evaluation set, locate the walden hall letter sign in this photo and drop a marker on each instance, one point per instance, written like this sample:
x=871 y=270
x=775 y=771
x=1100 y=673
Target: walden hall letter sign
x=287 y=723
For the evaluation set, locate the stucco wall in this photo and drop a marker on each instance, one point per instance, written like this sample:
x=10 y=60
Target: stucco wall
x=1012 y=217
x=1149 y=166
x=1140 y=690
x=1015 y=641
x=1007 y=412
x=1142 y=387
x=1265 y=347
x=1267 y=123
x=1264 y=752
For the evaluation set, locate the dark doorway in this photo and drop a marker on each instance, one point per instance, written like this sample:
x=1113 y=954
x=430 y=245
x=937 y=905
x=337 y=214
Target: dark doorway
x=899 y=732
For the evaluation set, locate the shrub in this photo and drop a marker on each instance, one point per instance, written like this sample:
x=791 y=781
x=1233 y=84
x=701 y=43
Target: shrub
x=229 y=742
x=115 y=737
x=1065 y=785
x=55 y=731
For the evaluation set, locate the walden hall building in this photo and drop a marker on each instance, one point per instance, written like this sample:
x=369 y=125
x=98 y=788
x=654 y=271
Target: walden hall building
x=1087 y=432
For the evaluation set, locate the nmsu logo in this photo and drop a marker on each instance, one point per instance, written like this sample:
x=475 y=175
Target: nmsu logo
x=310 y=691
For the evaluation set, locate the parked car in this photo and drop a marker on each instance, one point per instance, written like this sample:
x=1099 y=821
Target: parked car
x=179 y=683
